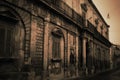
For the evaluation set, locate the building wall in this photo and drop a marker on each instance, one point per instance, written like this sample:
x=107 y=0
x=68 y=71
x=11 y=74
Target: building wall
x=97 y=55
x=91 y=15
x=21 y=46
x=115 y=52
x=48 y=37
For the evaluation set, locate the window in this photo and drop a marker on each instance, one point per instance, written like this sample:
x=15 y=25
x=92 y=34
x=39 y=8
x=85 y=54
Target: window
x=106 y=33
x=12 y=35
x=53 y=18
x=101 y=29
x=96 y=22
x=5 y=41
x=84 y=18
x=56 y=47
x=2 y=34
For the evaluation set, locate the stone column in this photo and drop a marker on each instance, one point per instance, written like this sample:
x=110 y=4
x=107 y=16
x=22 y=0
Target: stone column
x=84 y=55
x=31 y=74
x=77 y=44
x=46 y=45
x=92 y=57
x=111 y=56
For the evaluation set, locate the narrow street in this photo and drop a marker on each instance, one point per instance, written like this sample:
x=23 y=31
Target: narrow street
x=114 y=75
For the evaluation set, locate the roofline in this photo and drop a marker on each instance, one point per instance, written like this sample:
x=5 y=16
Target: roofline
x=93 y=5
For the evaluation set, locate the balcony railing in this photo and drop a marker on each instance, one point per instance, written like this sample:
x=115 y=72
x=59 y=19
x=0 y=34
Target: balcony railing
x=91 y=28
x=67 y=11
x=64 y=9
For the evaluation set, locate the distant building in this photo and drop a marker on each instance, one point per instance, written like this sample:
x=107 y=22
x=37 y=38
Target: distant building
x=39 y=36
x=115 y=56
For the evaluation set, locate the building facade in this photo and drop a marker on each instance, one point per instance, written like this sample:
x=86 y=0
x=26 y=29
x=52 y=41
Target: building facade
x=52 y=39
x=115 y=56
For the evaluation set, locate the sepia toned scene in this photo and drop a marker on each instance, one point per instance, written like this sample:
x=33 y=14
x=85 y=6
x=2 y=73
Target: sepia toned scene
x=59 y=40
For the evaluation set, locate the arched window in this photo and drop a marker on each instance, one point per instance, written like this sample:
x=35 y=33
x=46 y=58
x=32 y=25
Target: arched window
x=6 y=32
x=56 y=44
x=11 y=34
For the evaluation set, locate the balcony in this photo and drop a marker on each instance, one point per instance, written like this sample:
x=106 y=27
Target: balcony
x=91 y=28
x=62 y=8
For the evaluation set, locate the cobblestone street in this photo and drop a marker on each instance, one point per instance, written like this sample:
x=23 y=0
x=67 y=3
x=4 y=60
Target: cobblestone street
x=108 y=75
x=114 y=75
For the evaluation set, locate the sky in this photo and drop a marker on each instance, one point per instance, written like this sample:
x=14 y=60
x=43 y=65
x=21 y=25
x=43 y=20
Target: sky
x=111 y=7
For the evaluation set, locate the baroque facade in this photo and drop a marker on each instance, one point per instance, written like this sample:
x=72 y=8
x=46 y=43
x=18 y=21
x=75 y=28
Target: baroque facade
x=52 y=39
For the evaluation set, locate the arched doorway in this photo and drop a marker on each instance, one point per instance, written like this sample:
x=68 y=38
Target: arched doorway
x=11 y=40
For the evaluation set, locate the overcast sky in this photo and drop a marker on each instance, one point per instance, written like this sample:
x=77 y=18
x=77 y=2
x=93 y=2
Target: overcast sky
x=111 y=7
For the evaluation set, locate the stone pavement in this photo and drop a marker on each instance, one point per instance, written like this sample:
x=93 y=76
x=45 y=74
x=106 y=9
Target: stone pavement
x=106 y=75
x=109 y=75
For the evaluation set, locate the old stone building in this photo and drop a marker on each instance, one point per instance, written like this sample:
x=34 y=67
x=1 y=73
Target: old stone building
x=115 y=56
x=52 y=39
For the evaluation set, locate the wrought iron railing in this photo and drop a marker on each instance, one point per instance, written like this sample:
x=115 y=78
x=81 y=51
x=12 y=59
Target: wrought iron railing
x=63 y=8
x=68 y=12
x=91 y=28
